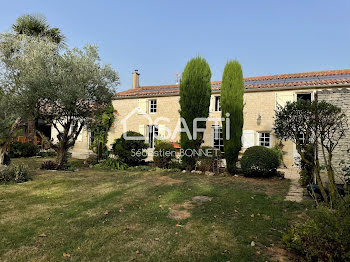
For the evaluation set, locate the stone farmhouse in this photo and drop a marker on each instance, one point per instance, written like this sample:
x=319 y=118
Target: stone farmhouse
x=139 y=107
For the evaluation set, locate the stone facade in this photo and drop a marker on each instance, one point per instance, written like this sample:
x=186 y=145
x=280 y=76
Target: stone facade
x=340 y=98
x=259 y=112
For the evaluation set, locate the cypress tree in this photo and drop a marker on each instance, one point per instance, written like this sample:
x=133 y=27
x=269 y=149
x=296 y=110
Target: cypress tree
x=195 y=92
x=232 y=89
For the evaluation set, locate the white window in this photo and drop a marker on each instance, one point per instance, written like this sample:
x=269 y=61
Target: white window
x=152 y=132
x=217 y=107
x=153 y=105
x=218 y=141
x=265 y=139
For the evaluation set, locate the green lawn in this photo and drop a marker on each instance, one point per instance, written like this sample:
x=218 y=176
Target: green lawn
x=96 y=215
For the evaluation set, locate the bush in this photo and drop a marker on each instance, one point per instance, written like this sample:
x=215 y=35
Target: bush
x=163 y=154
x=259 y=161
x=18 y=149
x=91 y=160
x=48 y=153
x=207 y=159
x=130 y=151
x=17 y=174
x=49 y=165
x=324 y=237
x=112 y=164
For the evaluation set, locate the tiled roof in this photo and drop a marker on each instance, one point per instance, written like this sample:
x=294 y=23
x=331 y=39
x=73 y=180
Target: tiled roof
x=298 y=80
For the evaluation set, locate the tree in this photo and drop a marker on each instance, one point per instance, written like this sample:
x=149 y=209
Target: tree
x=65 y=88
x=321 y=125
x=331 y=127
x=195 y=92
x=36 y=26
x=10 y=123
x=232 y=90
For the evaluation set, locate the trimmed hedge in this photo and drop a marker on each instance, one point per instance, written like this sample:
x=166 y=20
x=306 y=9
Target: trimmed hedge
x=18 y=149
x=259 y=161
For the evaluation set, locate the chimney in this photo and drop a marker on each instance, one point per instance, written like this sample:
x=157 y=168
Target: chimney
x=135 y=79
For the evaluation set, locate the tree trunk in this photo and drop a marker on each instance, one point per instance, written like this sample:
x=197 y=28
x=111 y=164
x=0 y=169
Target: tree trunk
x=61 y=159
x=2 y=156
x=31 y=130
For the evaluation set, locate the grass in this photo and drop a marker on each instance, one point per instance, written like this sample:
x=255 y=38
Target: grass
x=98 y=215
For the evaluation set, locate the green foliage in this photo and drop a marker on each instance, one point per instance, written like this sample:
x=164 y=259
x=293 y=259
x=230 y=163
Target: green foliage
x=306 y=166
x=18 y=149
x=36 y=25
x=16 y=173
x=49 y=165
x=207 y=158
x=163 y=154
x=99 y=128
x=61 y=86
x=112 y=164
x=232 y=89
x=323 y=237
x=195 y=92
x=130 y=151
x=259 y=161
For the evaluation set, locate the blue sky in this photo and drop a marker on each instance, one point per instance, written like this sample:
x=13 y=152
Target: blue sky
x=159 y=37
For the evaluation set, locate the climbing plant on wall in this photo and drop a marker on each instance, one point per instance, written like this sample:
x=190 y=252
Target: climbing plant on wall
x=99 y=128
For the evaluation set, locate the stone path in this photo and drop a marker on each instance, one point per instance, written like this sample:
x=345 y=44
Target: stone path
x=295 y=192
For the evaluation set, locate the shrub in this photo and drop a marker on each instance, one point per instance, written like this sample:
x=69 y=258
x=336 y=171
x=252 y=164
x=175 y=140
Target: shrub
x=91 y=160
x=324 y=237
x=49 y=165
x=18 y=149
x=48 y=153
x=259 y=161
x=130 y=151
x=207 y=159
x=163 y=154
x=113 y=164
x=17 y=174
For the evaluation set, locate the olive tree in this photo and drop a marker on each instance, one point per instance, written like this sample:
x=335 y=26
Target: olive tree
x=63 y=87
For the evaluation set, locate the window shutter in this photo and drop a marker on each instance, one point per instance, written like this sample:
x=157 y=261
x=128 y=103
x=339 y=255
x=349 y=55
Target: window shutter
x=283 y=97
x=161 y=131
x=142 y=106
x=142 y=129
x=248 y=138
x=212 y=104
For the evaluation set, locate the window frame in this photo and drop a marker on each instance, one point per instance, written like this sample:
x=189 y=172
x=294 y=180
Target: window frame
x=216 y=131
x=305 y=93
x=217 y=103
x=152 y=107
x=262 y=139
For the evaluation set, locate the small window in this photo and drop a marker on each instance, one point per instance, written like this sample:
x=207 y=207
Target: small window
x=218 y=141
x=264 y=139
x=304 y=96
x=217 y=104
x=153 y=106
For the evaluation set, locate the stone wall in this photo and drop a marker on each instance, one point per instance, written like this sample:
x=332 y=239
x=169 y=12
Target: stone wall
x=340 y=98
